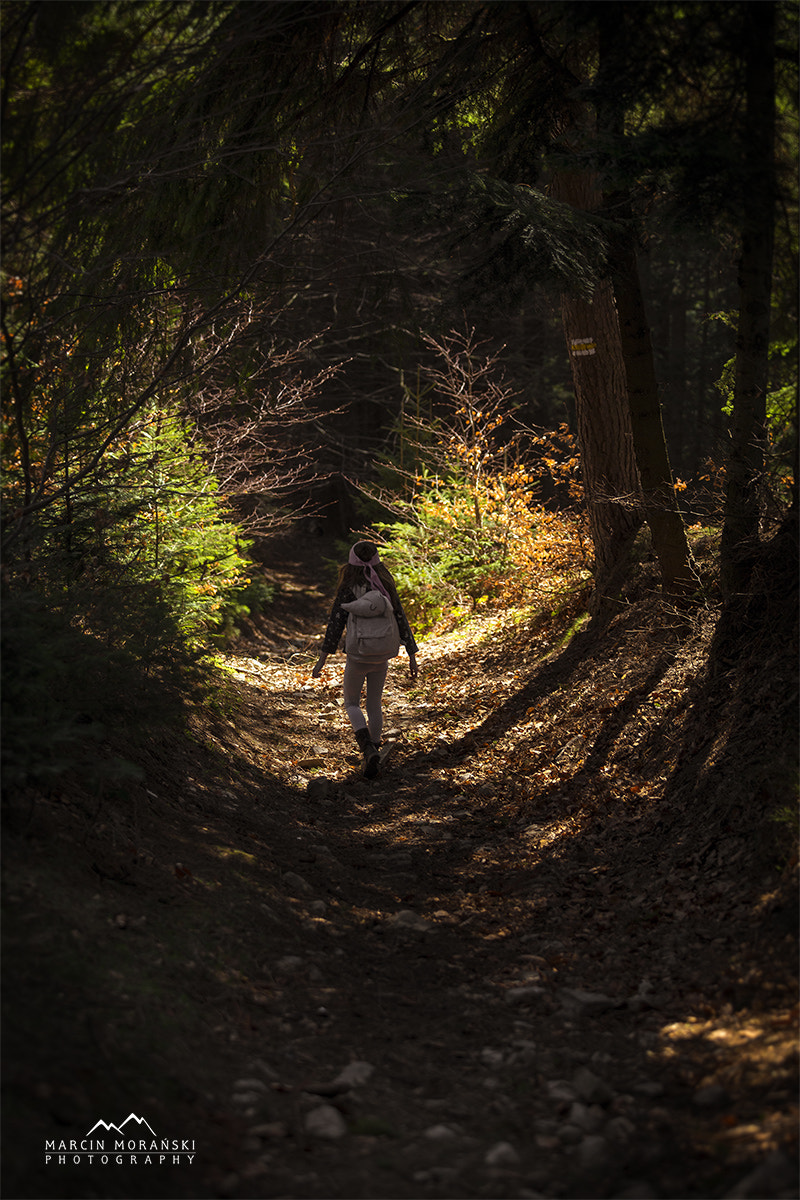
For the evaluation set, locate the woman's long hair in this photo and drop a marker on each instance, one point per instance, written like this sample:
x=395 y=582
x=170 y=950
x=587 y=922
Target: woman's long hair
x=352 y=577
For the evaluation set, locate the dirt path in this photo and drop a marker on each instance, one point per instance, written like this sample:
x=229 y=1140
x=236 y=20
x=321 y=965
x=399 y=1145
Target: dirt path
x=517 y=964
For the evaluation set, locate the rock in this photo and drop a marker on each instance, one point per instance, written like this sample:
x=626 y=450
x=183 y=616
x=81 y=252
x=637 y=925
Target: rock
x=524 y=995
x=712 y=1096
x=296 y=883
x=775 y=1177
x=570 y=1135
x=250 y=1085
x=319 y=789
x=561 y=1091
x=408 y=920
x=590 y=1004
x=441 y=1133
x=647 y=1002
x=318 y=908
x=546 y=1141
x=327 y=857
x=587 y=1118
x=546 y=1126
x=649 y=1088
x=593 y=1152
x=258 y=1064
x=290 y=964
x=590 y=1088
x=619 y=1130
x=325 y=1121
x=355 y=1074
x=315 y=924
x=502 y=1154
x=270 y=1129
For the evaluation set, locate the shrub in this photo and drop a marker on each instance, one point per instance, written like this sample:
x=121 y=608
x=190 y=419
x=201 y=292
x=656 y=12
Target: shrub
x=445 y=563
x=472 y=526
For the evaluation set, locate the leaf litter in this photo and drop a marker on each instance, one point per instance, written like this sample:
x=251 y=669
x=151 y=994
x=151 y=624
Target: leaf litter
x=549 y=951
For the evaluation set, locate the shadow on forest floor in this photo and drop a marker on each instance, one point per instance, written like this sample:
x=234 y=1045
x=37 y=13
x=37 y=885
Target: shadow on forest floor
x=555 y=934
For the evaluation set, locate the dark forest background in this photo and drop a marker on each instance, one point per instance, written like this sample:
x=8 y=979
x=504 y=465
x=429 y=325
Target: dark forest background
x=257 y=254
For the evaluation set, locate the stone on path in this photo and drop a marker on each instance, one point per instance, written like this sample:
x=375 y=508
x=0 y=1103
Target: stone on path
x=441 y=1133
x=355 y=1074
x=589 y=1004
x=296 y=883
x=524 y=995
x=319 y=789
x=711 y=1096
x=408 y=920
x=775 y=1177
x=590 y=1088
x=502 y=1154
x=325 y=1121
x=593 y=1152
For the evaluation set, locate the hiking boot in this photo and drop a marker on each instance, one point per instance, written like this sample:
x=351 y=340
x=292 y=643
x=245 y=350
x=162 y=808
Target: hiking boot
x=372 y=759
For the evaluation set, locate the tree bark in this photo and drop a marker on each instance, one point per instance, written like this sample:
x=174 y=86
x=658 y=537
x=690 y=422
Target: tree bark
x=745 y=464
x=608 y=465
x=650 y=446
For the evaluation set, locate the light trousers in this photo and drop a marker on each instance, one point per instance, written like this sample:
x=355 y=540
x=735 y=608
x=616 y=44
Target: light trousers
x=355 y=676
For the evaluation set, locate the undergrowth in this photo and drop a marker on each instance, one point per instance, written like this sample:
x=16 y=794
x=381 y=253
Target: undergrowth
x=491 y=514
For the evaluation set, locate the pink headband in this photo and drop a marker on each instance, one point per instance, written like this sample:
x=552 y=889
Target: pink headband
x=369 y=567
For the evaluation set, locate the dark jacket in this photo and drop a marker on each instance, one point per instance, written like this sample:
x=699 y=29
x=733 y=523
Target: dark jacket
x=338 y=621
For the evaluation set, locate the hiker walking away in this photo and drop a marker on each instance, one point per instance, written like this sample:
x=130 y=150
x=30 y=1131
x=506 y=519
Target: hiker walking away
x=368 y=604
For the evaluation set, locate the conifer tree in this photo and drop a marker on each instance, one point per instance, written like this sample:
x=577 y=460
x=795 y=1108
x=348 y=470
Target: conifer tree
x=748 y=426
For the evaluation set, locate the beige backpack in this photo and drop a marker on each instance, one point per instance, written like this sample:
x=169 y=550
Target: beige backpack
x=372 y=630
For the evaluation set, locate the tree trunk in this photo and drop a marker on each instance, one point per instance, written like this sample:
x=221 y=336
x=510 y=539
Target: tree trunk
x=608 y=465
x=748 y=425
x=650 y=446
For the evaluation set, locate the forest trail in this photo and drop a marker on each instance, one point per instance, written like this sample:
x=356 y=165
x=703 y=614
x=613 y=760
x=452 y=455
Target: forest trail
x=523 y=962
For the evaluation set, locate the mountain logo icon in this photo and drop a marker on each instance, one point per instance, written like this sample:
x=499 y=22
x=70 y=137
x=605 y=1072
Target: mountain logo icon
x=110 y=1127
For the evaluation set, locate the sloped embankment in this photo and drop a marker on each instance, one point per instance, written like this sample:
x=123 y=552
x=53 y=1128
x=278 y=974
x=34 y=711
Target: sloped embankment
x=549 y=952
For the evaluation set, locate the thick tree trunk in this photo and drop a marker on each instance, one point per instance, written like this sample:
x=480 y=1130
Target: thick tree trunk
x=608 y=465
x=748 y=425
x=650 y=446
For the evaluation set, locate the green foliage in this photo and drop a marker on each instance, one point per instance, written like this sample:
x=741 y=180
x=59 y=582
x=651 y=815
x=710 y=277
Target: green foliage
x=468 y=546
x=142 y=549
x=781 y=407
x=535 y=240
x=472 y=528
x=111 y=597
x=422 y=565
x=242 y=603
x=113 y=325
x=110 y=603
